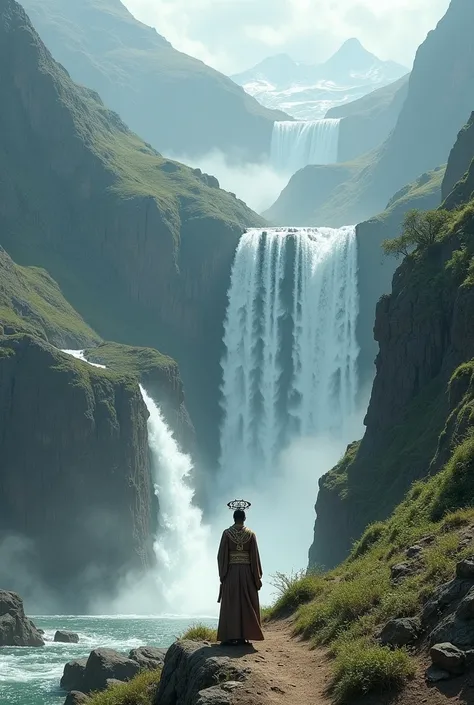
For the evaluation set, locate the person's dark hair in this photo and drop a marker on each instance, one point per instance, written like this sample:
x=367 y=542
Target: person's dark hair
x=239 y=516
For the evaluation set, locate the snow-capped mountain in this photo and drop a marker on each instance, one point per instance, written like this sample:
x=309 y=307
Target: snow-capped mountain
x=308 y=91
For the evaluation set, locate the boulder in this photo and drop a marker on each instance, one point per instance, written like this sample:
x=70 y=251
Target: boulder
x=443 y=597
x=66 y=637
x=448 y=657
x=105 y=664
x=400 y=632
x=197 y=673
x=75 y=697
x=465 y=608
x=465 y=569
x=148 y=657
x=73 y=675
x=15 y=628
x=456 y=631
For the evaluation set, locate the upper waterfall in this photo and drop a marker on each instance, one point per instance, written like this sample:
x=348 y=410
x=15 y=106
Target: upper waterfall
x=290 y=366
x=295 y=144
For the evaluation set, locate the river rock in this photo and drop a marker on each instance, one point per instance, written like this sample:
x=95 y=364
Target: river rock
x=443 y=597
x=448 y=658
x=401 y=570
x=400 y=632
x=73 y=675
x=195 y=674
x=414 y=551
x=148 y=657
x=104 y=664
x=66 y=637
x=465 y=609
x=435 y=675
x=465 y=569
x=76 y=698
x=15 y=627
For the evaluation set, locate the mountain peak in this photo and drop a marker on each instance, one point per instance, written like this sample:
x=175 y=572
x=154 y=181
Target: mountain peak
x=351 y=53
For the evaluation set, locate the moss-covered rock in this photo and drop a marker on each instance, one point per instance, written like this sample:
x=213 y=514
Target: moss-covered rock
x=75 y=482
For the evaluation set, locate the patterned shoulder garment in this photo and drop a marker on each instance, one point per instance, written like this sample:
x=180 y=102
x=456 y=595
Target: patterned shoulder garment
x=239 y=536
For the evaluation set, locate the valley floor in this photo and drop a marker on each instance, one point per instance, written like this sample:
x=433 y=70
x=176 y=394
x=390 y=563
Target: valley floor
x=286 y=670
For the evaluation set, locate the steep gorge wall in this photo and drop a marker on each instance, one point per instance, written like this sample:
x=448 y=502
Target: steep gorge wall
x=424 y=334
x=141 y=246
x=75 y=485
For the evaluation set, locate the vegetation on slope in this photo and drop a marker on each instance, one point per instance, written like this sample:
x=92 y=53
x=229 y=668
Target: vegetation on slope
x=346 y=608
x=141 y=690
x=31 y=302
x=199 y=632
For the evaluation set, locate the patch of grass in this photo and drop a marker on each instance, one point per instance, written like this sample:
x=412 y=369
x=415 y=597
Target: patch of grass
x=199 y=632
x=139 y=362
x=364 y=667
x=139 y=691
x=294 y=590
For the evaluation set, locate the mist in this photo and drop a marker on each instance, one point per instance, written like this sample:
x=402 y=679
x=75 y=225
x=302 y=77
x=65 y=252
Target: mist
x=258 y=185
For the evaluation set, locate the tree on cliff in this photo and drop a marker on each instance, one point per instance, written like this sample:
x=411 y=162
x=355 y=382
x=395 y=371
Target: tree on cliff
x=420 y=230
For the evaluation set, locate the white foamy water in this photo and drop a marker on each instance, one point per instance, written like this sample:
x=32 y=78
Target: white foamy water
x=297 y=143
x=186 y=573
x=290 y=367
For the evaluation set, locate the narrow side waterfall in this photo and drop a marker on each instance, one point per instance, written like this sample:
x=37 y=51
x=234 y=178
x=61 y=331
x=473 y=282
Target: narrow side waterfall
x=290 y=367
x=182 y=543
x=295 y=144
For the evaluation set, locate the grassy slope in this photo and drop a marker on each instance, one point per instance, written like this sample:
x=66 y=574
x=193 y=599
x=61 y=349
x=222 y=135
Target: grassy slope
x=31 y=302
x=139 y=691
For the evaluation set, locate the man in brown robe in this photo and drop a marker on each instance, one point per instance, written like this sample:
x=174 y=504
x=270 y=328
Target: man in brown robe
x=240 y=572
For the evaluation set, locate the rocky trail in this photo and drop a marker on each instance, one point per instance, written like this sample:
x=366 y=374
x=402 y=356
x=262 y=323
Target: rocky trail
x=283 y=670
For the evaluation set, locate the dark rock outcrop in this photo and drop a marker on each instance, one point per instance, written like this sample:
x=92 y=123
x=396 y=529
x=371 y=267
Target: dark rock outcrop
x=148 y=658
x=15 y=628
x=400 y=632
x=105 y=664
x=84 y=432
x=66 y=637
x=448 y=658
x=73 y=675
x=198 y=674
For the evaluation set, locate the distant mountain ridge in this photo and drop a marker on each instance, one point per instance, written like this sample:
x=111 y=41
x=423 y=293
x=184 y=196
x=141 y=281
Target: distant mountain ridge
x=175 y=102
x=308 y=91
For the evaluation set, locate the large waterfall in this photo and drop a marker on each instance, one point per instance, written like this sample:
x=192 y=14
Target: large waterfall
x=290 y=367
x=297 y=143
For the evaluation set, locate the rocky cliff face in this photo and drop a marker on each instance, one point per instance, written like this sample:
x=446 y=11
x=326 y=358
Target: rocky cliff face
x=141 y=246
x=75 y=485
x=367 y=122
x=416 y=407
x=175 y=102
x=458 y=168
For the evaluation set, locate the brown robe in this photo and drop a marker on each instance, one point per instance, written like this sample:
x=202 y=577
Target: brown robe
x=240 y=572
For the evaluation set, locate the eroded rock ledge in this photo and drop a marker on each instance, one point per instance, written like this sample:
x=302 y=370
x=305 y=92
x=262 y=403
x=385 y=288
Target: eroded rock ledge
x=199 y=674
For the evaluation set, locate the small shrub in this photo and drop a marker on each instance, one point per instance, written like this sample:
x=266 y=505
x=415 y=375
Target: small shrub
x=295 y=589
x=420 y=229
x=139 y=691
x=364 y=667
x=199 y=632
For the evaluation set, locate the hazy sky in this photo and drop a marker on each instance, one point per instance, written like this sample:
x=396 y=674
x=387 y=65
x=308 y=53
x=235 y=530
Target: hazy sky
x=233 y=35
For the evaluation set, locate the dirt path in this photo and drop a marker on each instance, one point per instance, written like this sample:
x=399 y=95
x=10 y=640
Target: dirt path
x=284 y=671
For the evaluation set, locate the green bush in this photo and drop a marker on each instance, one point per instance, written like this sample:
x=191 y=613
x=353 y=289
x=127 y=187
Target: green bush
x=139 y=691
x=420 y=230
x=294 y=590
x=199 y=632
x=371 y=535
x=364 y=667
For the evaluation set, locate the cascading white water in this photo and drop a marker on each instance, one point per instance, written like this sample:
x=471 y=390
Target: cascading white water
x=297 y=143
x=290 y=367
x=182 y=543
